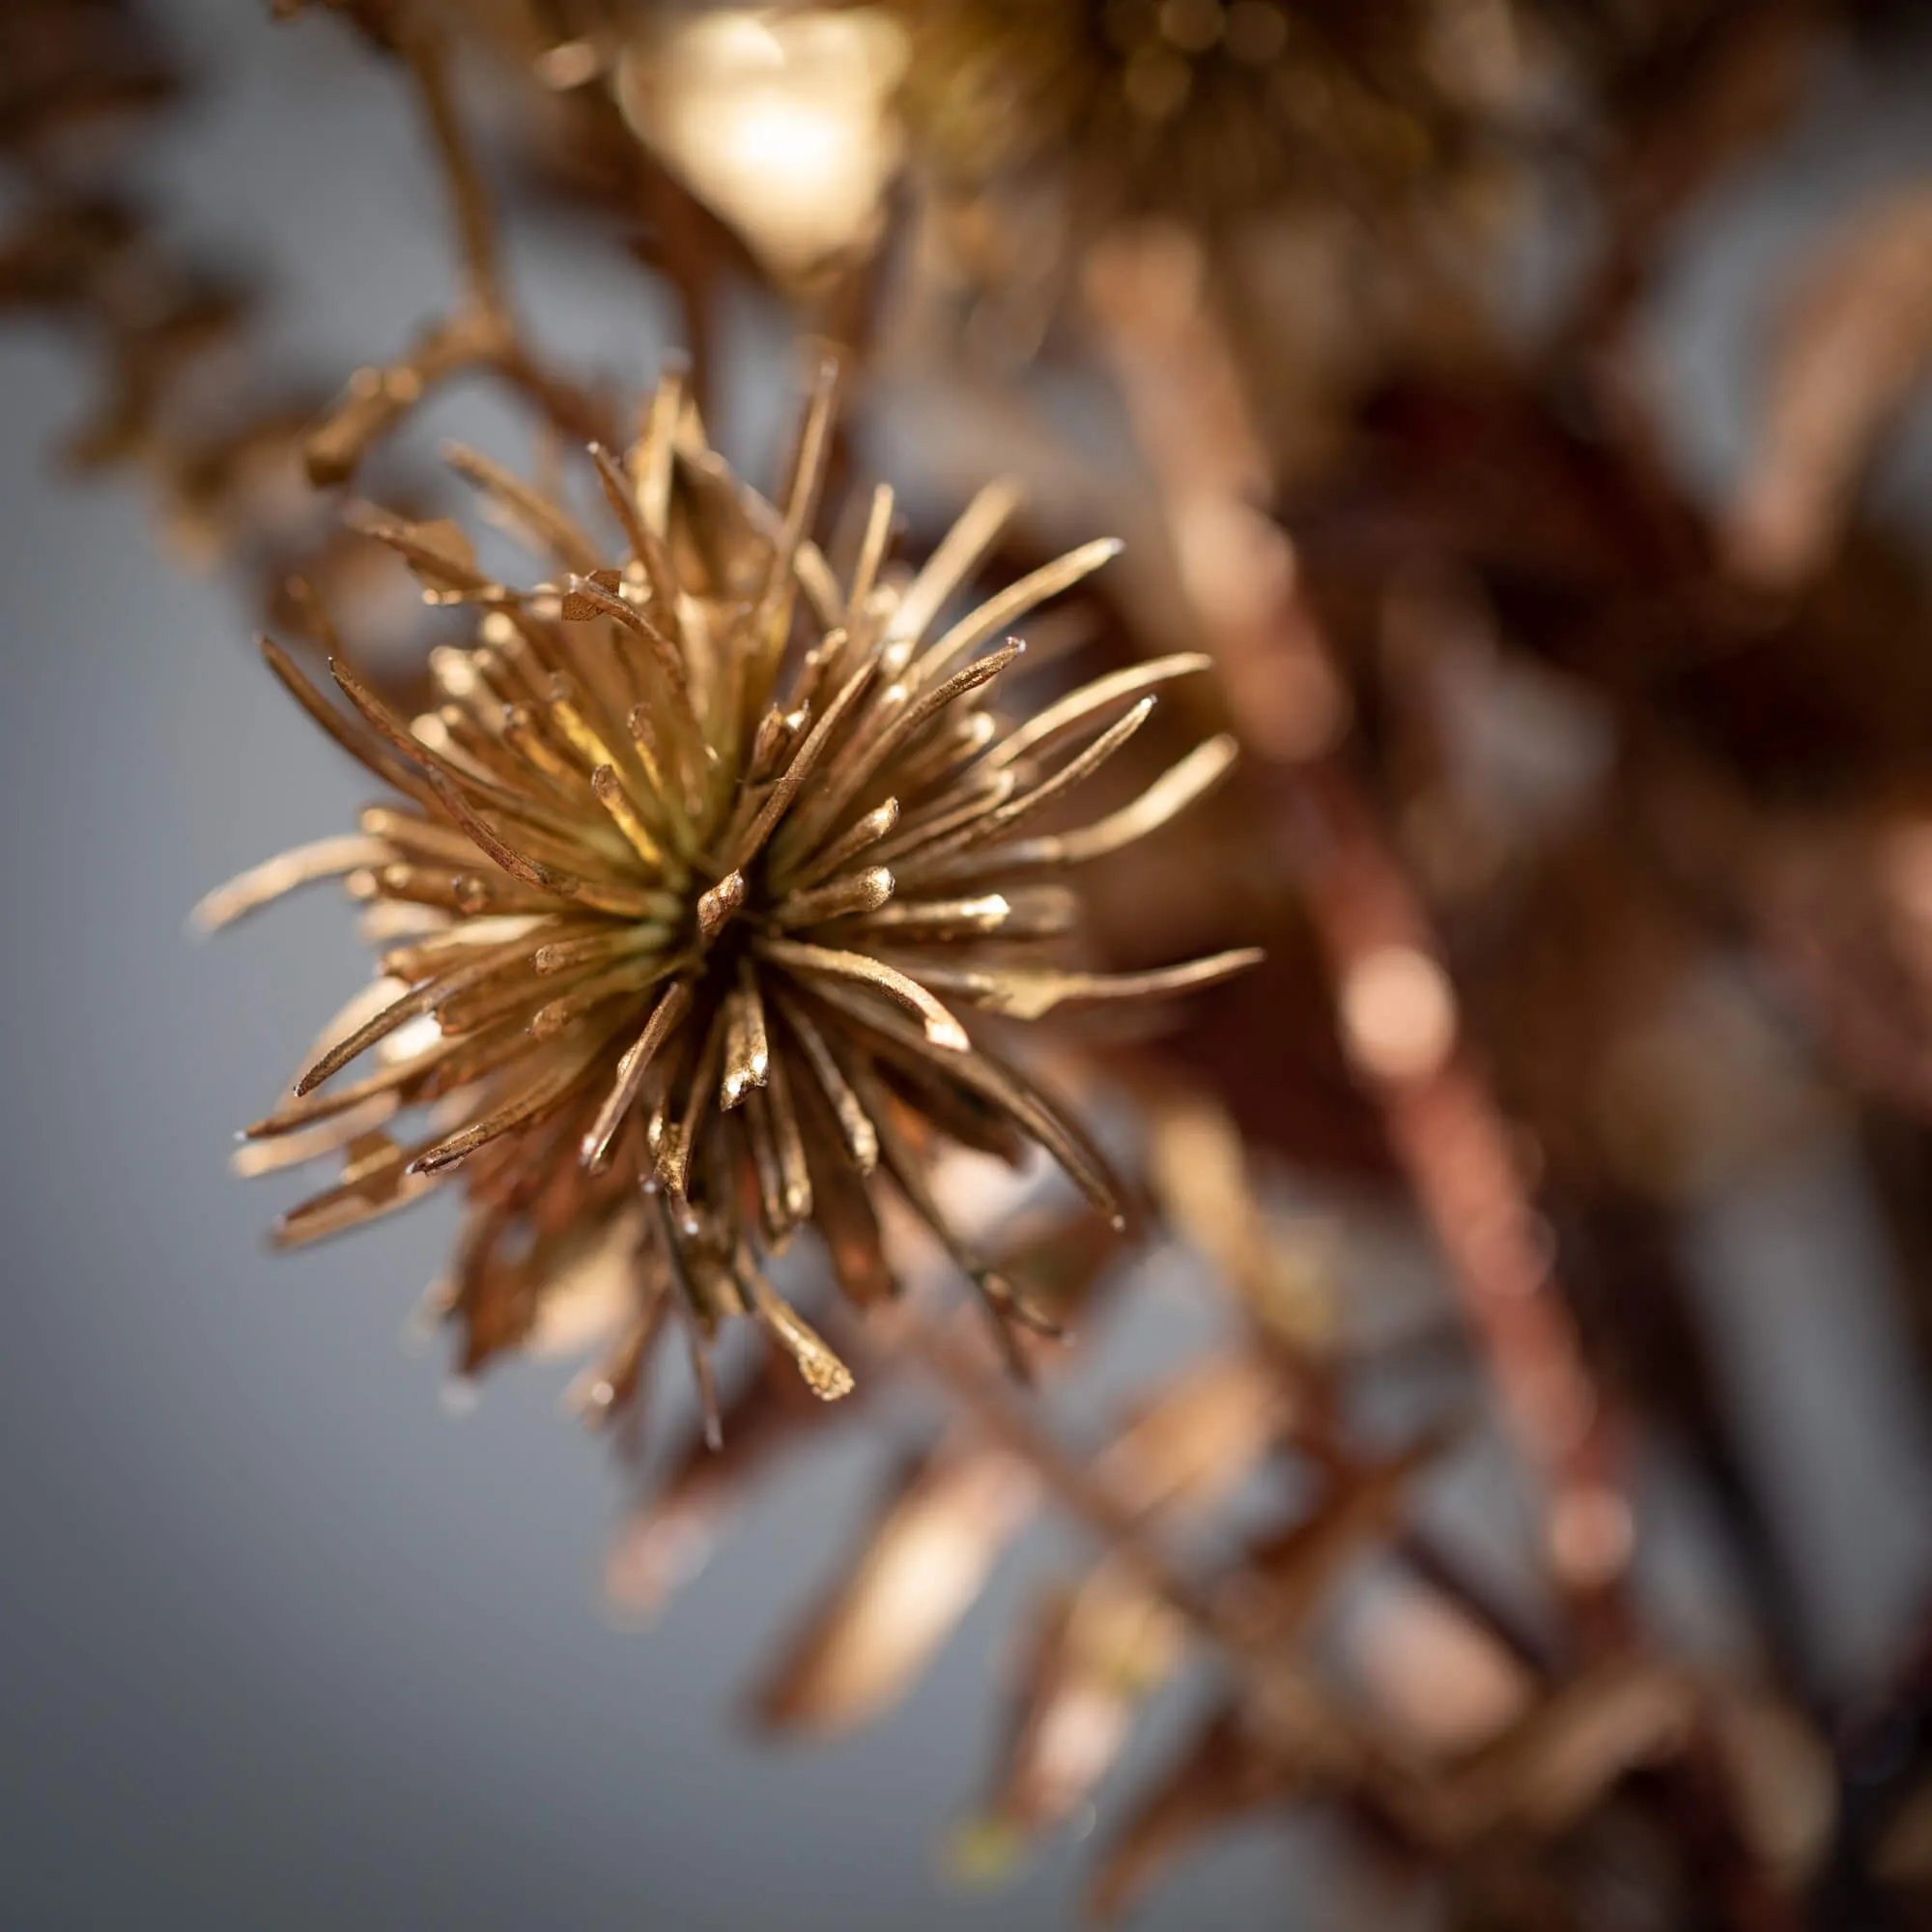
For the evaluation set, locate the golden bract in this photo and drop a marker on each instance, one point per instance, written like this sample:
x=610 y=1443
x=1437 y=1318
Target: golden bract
x=690 y=895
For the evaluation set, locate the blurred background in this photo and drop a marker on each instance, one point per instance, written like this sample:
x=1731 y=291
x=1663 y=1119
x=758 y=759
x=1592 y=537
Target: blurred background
x=1524 y=404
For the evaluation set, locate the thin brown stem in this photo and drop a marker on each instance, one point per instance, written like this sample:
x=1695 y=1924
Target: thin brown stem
x=1318 y=1735
x=427 y=52
x=483 y=336
x=1395 y=1002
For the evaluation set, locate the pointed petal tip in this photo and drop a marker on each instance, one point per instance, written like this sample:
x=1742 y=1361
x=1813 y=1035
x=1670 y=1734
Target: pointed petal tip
x=947 y=1032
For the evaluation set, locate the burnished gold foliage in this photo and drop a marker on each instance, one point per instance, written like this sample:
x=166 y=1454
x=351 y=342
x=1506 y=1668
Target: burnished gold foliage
x=697 y=883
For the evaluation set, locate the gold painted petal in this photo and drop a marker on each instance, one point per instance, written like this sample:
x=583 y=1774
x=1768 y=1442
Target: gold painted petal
x=956 y=1111
x=1169 y=795
x=1028 y=803
x=794 y=1174
x=601 y=944
x=417 y=838
x=865 y=831
x=862 y=1140
x=533 y=872
x=624 y=813
x=544 y=1095
x=820 y=584
x=379 y=1026
x=295 y=1115
x=808 y=476
x=432 y=765
x=957 y=555
x=823 y=1372
x=916 y=919
x=747 y=1048
x=666 y=1017
x=304 y=1144
x=627 y=976
x=846 y=1221
x=366 y=748
x=621 y=496
x=872 y=548
x=1043 y=726
x=385 y=1180
x=1059 y=1134
x=965 y=805
x=513 y=505
x=909 y=1171
x=801 y=768
x=650 y=460
x=306 y=864
x=717 y=905
x=757 y=1119
x=861 y=760
x=587 y=599
x=934 y=767
x=824 y=962
x=1010 y=605
x=1031 y=992
x=438 y=553
x=685 y=1301
x=901 y=1594
x=675 y=1151
x=860 y=891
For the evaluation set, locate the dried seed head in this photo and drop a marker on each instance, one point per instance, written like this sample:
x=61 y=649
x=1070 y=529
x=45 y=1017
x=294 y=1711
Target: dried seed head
x=652 y=971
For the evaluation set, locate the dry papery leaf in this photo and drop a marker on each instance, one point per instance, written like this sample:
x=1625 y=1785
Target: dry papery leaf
x=922 y=1564
x=1227 y=1773
x=921 y=1568
x=1093 y=1654
x=1100 y=1649
x=1854 y=345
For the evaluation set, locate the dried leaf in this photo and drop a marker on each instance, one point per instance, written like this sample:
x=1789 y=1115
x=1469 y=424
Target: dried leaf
x=901 y=1595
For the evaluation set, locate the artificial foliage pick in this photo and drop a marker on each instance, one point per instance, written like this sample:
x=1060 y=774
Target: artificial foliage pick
x=699 y=895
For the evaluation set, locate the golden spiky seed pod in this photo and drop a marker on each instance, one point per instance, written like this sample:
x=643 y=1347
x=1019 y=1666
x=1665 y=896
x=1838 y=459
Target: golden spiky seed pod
x=689 y=891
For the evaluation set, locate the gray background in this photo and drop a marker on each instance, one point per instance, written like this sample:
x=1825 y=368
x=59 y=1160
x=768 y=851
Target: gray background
x=282 y=1641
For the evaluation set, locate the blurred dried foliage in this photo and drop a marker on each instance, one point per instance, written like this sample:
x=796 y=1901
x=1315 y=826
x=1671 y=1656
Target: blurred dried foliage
x=1585 y=818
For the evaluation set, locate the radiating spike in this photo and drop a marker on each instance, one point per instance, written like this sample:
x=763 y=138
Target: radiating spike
x=666 y=1017
x=746 y=1047
x=542 y=1096
x=274 y=878
x=959 y=555
x=865 y=831
x=1031 y=992
x=860 y=891
x=1013 y=604
x=824 y=962
x=1043 y=726
x=873 y=548
x=625 y=815
x=823 y=1373
x=521 y=509
x=929 y=858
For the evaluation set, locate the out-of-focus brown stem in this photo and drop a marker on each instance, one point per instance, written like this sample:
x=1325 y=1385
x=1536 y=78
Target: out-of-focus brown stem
x=1396 y=1011
x=427 y=52
x=483 y=334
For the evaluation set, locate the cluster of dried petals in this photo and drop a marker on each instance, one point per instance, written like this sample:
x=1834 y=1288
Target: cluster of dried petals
x=692 y=896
